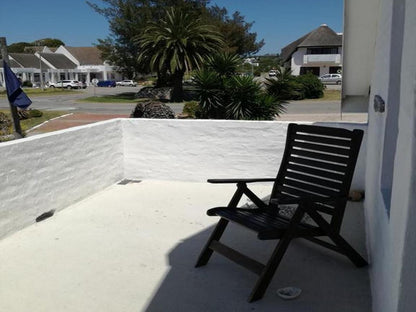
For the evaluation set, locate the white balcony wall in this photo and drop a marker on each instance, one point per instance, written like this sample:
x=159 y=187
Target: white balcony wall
x=52 y=171
x=55 y=170
x=195 y=150
x=319 y=59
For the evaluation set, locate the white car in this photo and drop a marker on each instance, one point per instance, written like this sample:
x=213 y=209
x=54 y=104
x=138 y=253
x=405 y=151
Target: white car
x=68 y=84
x=126 y=83
x=331 y=78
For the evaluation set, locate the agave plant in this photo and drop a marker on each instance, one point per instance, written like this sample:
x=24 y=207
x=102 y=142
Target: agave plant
x=224 y=64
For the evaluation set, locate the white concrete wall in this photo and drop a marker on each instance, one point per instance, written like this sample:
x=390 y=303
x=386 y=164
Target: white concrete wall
x=360 y=29
x=392 y=237
x=52 y=171
x=297 y=61
x=195 y=150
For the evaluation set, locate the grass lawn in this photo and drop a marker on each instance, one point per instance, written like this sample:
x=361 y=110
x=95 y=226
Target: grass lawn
x=125 y=97
x=330 y=95
x=31 y=122
x=40 y=92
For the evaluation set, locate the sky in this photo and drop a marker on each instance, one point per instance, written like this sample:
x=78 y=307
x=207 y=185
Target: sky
x=278 y=22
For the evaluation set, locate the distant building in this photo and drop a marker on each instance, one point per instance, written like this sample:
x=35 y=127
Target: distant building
x=319 y=52
x=74 y=63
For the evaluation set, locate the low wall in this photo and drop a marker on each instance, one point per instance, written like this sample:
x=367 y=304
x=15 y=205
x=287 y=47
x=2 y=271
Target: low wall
x=52 y=171
x=195 y=150
x=55 y=170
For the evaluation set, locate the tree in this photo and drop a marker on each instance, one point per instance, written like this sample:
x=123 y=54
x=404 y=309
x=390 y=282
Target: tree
x=19 y=47
x=128 y=18
x=179 y=43
x=236 y=31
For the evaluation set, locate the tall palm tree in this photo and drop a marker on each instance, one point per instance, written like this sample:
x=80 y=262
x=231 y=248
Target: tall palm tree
x=179 y=42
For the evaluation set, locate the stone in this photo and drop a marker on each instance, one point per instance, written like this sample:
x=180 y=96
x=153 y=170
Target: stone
x=152 y=109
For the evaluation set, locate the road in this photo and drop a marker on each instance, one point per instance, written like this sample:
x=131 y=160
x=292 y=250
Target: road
x=68 y=102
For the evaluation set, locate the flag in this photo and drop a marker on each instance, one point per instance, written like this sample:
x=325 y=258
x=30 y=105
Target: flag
x=15 y=94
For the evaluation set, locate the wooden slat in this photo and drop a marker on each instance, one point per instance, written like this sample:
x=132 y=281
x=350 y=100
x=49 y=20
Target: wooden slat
x=239 y=258
x=321 y=139
x=316 y=172
x=286 y=189
x=310 y=188
x=329 y=132
x=317 y=164
x=317 y=181
x=322 y=148
x=320 y=156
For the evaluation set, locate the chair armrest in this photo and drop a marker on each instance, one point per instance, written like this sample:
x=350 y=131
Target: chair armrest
x=241 y=180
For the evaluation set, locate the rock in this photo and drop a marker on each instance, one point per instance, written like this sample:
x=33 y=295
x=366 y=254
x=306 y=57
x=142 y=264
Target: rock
x=155 y=93
x=152 y=109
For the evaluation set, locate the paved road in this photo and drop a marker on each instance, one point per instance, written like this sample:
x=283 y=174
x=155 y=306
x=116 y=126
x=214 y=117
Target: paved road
x=69 y=103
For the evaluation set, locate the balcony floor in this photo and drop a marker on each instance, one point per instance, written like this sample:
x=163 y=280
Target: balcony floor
x=133 y=248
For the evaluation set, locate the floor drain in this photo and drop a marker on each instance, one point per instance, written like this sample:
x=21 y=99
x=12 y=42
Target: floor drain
x=128 y=181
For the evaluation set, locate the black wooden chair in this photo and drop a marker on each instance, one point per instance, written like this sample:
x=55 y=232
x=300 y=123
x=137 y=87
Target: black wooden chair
x=315 y=176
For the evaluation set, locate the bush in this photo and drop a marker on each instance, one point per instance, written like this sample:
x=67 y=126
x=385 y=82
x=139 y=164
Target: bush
x=191 y=109
x=27 y=83
x=34 y=113
x=312 y=87
x=5 y=124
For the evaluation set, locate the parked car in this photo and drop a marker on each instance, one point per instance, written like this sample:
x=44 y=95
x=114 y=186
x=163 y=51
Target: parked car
x=68 y=84
x=126 y=83
x=272 y=73
x=331 y=78
x=106 y=83
x=82 y=85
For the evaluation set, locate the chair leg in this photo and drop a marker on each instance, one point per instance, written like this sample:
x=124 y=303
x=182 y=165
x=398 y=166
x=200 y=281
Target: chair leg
x=274 y=261
x=216 y=235
x=349 y=251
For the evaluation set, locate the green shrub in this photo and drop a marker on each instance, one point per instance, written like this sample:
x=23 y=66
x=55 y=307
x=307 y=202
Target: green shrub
x=192 y=109
x=312 y=87
x=5 y=124
x=34 y=113
x=27 y=83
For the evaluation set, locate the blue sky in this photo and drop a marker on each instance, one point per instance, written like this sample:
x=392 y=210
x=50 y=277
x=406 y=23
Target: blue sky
x=278 y=22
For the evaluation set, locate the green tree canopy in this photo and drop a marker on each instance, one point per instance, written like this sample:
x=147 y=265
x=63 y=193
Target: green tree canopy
x=177 y=43
x=19 y=47
x=128 y=18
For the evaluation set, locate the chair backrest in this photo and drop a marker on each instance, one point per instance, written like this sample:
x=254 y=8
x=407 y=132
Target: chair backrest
x=319 y=161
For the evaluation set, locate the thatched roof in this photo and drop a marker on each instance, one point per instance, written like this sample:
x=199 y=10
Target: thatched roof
x=323 y=36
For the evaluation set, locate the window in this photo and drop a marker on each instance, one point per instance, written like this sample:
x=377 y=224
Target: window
x=329 y=50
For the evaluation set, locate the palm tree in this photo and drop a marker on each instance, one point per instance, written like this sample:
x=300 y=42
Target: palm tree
x=178 y=43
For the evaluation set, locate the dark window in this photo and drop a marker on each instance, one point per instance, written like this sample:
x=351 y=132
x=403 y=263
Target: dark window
x=331 y=50
x=313 y=70
x=335 y=70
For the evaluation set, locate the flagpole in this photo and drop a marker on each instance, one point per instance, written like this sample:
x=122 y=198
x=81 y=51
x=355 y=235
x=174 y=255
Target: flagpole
x=13 y=109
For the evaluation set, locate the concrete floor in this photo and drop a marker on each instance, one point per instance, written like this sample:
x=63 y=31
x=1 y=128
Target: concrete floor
x=133 y=248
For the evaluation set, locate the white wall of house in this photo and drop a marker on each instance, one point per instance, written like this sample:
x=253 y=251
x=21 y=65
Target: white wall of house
x=391 y=155
x=300 y=58
x=360 y=31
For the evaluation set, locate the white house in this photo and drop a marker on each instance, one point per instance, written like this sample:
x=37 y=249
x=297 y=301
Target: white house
x=90 y=64
x=319 y=52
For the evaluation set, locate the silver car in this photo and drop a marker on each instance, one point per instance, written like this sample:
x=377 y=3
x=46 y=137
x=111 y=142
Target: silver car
x=331 y=78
